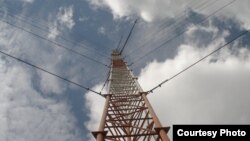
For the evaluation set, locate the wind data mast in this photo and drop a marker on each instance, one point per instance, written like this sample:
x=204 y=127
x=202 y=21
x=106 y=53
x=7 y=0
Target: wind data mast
x=127 y=114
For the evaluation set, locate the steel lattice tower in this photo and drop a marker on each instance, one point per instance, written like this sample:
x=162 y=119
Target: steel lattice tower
x=128 y=115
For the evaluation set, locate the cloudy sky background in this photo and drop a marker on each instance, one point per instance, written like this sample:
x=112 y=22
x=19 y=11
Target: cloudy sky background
x=37 y=106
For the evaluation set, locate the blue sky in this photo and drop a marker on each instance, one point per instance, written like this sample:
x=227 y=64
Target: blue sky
x=37 y=106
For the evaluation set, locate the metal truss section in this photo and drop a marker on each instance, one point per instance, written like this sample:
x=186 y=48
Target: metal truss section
x=128 y=115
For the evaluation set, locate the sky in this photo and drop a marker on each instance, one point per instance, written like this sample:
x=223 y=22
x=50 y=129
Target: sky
x=74 y=39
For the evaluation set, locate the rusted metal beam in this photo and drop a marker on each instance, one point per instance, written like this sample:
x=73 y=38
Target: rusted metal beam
x=127 y=114
x=157 y=122
x=100 y=135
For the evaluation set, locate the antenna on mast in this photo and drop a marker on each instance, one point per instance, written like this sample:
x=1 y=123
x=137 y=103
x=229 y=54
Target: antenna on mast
x=128 y=37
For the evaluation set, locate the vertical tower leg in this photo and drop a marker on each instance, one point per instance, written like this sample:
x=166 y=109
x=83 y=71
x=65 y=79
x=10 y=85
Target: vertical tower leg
x=162 y=131
x=100 y=135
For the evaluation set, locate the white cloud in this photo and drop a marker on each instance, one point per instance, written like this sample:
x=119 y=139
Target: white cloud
x=64 y=19
x=150 y=10
x=101 y=30
x=209 y=28
x=65 y=16
x=83 y=19
x=28 y=1
x=26 y=114
x=53 y=31
x=147 y=9
x=239 y=10
x=95 y=104
x=213 y=92
x=50 y=84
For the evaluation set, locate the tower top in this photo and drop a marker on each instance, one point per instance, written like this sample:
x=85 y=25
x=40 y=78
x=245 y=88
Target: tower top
x=115 y=52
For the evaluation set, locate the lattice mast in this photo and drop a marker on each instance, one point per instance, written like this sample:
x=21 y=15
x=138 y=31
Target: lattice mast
x=127 y=114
